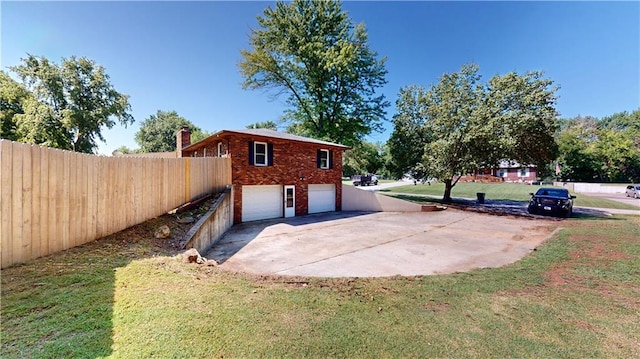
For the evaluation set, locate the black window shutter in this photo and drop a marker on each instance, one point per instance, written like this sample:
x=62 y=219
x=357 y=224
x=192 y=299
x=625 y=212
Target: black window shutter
x=318 y=158
x=250 y=152
x=330 y=159
x=270 y=154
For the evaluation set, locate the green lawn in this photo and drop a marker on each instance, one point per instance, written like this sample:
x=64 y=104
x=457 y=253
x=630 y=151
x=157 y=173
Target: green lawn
x=501 y=191
x=575 y=297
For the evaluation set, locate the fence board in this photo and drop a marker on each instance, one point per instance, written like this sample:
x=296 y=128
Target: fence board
x=92 y=167
x=43 y=201
x=54 y=193
x=16 y=192
x=6 y=222
x=34 y=203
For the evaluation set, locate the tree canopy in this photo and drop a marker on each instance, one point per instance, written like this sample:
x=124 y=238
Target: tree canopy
x=363 y=158
x=266 y=124
x=65 y=105
x=606 y=150
x=312 y=52
x=460 y=125
x=13 y=97
x=157 y=132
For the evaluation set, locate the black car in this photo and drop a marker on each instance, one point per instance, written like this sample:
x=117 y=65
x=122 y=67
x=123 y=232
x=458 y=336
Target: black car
x=555 y=201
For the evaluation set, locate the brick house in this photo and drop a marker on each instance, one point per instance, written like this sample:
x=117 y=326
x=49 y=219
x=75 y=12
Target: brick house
x=505 y=172
x=274 y=174
x=514 y=172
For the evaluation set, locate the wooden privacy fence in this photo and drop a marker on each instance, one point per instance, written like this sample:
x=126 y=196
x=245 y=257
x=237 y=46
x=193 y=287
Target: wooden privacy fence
x=53 y=200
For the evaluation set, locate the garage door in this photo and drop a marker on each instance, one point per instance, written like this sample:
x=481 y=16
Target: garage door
x=261 y=202
x=322 y=198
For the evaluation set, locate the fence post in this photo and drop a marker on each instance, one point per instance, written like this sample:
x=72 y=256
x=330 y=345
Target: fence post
x=187 y=180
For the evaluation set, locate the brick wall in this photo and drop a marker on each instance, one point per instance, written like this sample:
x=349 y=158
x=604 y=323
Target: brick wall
x=294 y=163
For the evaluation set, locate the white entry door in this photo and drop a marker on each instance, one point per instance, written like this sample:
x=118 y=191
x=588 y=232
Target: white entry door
x=289 y=201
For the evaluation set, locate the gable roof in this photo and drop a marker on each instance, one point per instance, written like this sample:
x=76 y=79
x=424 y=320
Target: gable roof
x=263 y=132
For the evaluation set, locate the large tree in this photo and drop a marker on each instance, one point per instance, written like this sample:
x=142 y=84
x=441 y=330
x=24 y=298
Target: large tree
x=363 y=158
x=312 y=52
x=69 y=104
x=406 y=144
x=270 y=125
x=157 y=133
x=606 y=150
x=13 y=97
x=463 y=125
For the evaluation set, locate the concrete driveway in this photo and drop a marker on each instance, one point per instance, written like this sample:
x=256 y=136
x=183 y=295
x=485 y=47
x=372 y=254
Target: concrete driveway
x=362 y=244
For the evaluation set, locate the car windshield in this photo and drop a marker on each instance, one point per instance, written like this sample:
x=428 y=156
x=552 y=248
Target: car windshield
x=555 y=192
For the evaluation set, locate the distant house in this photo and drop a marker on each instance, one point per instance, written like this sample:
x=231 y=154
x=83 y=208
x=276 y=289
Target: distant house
x=506 y=171
x=514 y=172
x=274 y=174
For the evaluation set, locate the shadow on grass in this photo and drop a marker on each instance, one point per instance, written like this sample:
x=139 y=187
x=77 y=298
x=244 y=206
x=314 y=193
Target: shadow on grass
x=61 y=306
x=504 y=207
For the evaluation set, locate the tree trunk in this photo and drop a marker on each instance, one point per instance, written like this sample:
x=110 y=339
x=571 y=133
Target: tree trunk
x=447 y=191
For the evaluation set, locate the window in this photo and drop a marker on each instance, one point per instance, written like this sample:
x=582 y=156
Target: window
x=260 y=153
x=523 y=172
x=325 y=159
x=220 y=154
x=502 y=173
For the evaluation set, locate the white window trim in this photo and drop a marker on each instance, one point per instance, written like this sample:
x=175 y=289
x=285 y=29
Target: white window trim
x=220 y=149
x=526 y=172
x=255 y=154
x=326 y=165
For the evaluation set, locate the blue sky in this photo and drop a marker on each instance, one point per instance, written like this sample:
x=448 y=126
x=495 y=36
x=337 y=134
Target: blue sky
x=183 y=56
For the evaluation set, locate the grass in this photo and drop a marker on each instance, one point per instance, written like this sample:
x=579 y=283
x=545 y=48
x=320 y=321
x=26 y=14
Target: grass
x=125 y=296
x=501 y=191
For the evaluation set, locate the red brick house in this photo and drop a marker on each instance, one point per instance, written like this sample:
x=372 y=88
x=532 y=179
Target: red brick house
x=274 y=174
x=505 y=172
x=514 y=172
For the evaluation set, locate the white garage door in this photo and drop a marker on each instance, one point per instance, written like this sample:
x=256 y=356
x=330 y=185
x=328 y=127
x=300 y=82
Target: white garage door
x=261 y=202
x=322 y=198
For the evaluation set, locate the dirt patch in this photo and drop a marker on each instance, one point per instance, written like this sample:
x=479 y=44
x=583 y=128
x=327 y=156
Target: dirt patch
x=588 y=250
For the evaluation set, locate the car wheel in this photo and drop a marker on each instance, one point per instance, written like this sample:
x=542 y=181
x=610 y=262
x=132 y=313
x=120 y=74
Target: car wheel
x=568 y=214
x=531 y=210
x=635 y=196
x=627 y=194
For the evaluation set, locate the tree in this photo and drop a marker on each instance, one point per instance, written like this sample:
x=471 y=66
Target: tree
x=267 y=124
x=69 y=104
x=12 y=99
x=311 y=51
x=464 y=125
x=122 y=150
x=157 y=133
x=577 y=161
x=606 y=150
x=406 y=144
x=363 y=158
x=622 y=121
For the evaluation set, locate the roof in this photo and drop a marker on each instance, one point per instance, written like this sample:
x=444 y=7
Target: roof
x=512 y=164
x=263 y=132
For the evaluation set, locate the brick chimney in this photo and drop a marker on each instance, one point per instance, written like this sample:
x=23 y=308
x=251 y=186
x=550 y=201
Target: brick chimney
x=183 y=139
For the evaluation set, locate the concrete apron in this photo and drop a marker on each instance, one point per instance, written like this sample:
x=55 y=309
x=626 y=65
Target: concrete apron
x=361 y=244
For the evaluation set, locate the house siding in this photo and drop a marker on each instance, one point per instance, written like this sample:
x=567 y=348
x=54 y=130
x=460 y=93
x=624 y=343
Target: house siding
x=294 y=163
